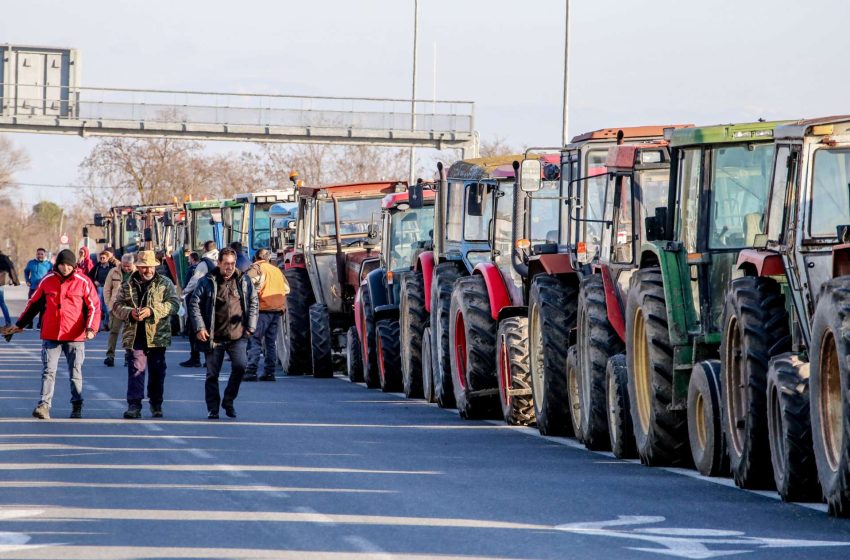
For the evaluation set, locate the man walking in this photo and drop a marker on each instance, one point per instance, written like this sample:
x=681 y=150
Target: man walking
x=71 y=316
x=243 y=263
x=35 y=270
x=146 y=303
x=205 y=265
x=223 y=313
x=272 y=288
x=7 y=276
x=98 y=274
x=111 y=290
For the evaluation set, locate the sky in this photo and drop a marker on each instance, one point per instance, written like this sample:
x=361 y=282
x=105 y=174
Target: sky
x=632 y=62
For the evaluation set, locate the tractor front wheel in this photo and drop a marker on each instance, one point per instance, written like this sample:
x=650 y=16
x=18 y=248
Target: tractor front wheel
x=389 y=361
x=513 y=372
x=413 y=318
x=320 y=340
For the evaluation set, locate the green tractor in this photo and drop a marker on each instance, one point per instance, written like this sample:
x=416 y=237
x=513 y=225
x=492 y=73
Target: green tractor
x=718 y=192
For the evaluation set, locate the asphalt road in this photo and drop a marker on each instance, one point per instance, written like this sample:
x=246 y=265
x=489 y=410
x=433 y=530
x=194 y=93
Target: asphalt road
x=317 y=468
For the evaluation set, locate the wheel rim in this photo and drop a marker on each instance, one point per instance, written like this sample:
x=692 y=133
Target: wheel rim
x=736 y=386
x=643 y=379
x=283 y=342
x=460 y=349
x=504 y=371
x=699 y=418
x=574 y=388
x=830 y=403
x=612 y=411
x=777 y=441
x=536 y=356
x=427 y=381
x=583 y=375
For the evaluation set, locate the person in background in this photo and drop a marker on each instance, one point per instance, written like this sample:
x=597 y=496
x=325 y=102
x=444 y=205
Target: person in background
x=193 y=259
x=35 y=270
x=162 y=268
x=105 y=263
x=206 y=264
x=146 y=304
x=223 y=313
x=71 y=316
x=271 y=287
x=242 y=261
x=84 y=262
x=7 y=276
x=117 y=276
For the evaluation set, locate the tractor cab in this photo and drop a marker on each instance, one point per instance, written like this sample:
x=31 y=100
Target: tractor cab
x=249 y=222
x=204 y=222
x=406 y=233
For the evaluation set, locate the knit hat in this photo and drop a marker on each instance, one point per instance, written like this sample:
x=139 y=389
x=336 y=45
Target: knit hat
x=66 y=256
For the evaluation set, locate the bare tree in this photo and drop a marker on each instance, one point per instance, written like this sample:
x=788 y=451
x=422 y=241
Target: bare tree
x=497 y=146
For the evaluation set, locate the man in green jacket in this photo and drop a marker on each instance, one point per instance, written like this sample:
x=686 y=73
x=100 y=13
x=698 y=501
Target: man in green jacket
x=145 y=304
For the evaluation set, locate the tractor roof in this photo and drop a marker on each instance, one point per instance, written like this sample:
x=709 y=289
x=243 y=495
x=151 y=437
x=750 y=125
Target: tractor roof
x=823 y=126
x=484 y=168
x=725 y=133
x=629 y=132
x=393 y=199
x=355 y=189
x=200 y=204
x=626 y=156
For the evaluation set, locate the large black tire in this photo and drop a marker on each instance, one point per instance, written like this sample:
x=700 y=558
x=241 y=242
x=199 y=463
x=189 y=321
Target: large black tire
x=413 y=318
x=620 y=429
x=370 y=346
x=789 y=430
x=573 y=388
x=755 y=327
x=427 y=373
x=472 y=332
x=551 y=315
x=295 y=358
x=661 y=434
x=353 y=356
x=705 y=431
x=389 y=360
x=829 y=401
x=320 y=341
x=597 y=342
x=513 y=372
x=445 y=275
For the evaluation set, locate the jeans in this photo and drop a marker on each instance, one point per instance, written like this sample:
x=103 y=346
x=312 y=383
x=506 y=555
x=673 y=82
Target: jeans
x=104 y=311
x=263 y=342
x=29 y=296
x=152 y=360
x=237 y=350
x=115 y=327
x=75 y=354
x=4 y=308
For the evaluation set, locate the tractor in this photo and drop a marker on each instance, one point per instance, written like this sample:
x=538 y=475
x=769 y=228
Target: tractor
x=785 y=337
x=719 y=179
x=132 y=228
x=336 y=246
x=373 y=352
x=249 y=223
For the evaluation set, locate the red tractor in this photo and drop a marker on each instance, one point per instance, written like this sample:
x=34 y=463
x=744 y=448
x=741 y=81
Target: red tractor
x=373 y=353
x=336 y=246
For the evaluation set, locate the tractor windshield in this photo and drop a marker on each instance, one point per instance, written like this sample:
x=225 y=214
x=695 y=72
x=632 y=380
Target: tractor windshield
x=410 y=230
x=593 y=202
x=203 y=228
x=355 y=216
x=830 y=184
x=740 y=181
x=545 y=214
x=654 y=189
x=261 y=231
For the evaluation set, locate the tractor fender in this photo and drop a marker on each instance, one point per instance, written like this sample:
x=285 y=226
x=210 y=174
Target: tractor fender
x=512 y=311
x=425 y=264
x=841 y=260
x=756 y=262
x=389 y=311
x=671 y=259
x=376 y=284
x=497 y=292
x=613 y=303
x=556 y=264
x=358 y=316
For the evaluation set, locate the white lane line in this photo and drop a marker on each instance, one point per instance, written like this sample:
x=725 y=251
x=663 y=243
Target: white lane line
x=365 y=545
x=200 y=454
x=152 y=427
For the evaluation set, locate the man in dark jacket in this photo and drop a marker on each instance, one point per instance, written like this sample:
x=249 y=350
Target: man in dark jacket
x=98 y=275
x=146 y=304
x=243 y=263
x=223 y=311
x=7 y=276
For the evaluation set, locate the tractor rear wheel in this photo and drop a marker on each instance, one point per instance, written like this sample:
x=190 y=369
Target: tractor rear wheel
x=294 y=350
x=320 y=340
x=661 y=434
x=829 y=386
x=353 y=356
x=755 y=327
x=705 y=431
x=790 y=430
x=514 y=375
x=412 y=319
x=427 y=372
x=620 y=429
x=370 y=353
x=597 y=341
x=472 y=332
x=389 y=361
x=551 y=315
x=445 y=275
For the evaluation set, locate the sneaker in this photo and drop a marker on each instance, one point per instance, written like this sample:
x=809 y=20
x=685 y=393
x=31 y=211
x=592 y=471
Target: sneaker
x=252 y=376
x=77 y=410
x=133 y=412
x=42 y=412
x=191 y=362
x=213 y=415
x=109 y=361
x=229 y=410
x=268 y=377
x=156 y=411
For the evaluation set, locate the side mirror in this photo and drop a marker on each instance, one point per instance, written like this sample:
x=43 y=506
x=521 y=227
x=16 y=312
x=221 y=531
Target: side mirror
x=760 y=241
x=291 y=225
x=373 y=231
x=148 y=234
x=98 y=220
x=529 y=175
x=132 y=224
x=85 y=231
x=475 y=199
x=102 y=240
x=167 y=219
x=414 y=195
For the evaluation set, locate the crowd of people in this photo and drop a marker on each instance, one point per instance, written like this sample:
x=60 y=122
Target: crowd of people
x=232 y=305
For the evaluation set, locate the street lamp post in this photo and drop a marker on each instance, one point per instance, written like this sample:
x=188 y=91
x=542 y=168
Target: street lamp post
x=565 y=138
x=413 y=92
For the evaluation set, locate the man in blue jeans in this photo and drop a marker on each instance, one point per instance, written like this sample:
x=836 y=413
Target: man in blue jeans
x=223 y=313
x=35 y=270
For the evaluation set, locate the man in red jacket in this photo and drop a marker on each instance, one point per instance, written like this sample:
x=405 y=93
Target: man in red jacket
x=71 y=316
